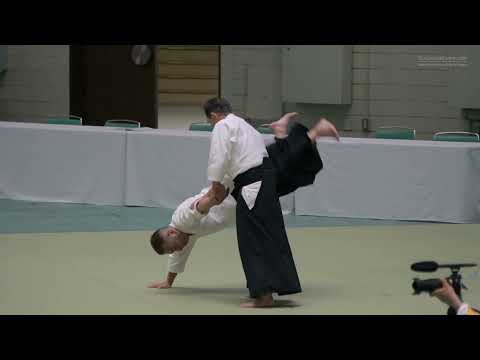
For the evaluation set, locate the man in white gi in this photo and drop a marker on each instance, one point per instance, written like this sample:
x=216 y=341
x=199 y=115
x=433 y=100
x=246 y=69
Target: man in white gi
x=238 y=151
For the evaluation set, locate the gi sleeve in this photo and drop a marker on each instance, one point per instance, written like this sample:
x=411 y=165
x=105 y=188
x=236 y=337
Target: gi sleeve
x=220 y=152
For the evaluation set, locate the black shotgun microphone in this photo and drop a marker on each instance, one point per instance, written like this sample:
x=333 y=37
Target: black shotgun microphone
x=432 y=266
x=430 y=285
x=425 y=266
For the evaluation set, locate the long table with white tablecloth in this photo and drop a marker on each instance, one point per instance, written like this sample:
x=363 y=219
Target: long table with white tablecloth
x=164 y=167
x=104 y=166
x=62 y=163
x=395 y=179
x=362 y=178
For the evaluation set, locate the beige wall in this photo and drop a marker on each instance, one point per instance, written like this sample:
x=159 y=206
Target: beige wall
x=389 y=87
x=36 y=84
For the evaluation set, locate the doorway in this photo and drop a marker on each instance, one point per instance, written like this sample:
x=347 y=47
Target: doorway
x=106 y=84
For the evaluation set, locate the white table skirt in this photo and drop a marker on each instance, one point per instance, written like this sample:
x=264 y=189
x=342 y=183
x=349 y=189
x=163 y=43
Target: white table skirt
x=61 y=163
x=164 y=167
x=395 y=179
x=362 y=178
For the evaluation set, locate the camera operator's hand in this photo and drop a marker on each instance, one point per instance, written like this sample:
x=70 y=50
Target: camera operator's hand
x=447 y=295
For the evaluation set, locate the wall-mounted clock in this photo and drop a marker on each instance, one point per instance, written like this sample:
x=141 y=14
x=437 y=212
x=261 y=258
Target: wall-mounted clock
x=141 y=54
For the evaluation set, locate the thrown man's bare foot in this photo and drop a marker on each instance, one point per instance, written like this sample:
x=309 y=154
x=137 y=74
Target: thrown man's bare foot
x=323 y=128
x=280 y=126
x=264 y=301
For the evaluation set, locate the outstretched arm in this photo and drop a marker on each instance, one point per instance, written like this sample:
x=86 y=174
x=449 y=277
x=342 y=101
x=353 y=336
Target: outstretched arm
x=213 y=197
x=217 y=218
x=176 y=265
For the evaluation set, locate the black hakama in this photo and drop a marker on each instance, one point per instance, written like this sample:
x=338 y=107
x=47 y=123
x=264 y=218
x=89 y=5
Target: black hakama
x=262 y=239
x=295 y=159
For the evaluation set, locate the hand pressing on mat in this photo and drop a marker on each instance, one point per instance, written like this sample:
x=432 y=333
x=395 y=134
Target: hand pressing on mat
x=166 y=284
x=160 y=285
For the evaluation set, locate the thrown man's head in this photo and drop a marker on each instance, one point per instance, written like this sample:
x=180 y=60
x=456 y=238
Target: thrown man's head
x=167 y=240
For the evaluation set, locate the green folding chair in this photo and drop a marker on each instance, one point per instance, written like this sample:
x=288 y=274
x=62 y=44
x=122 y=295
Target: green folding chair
x=474 y=121
x=461 y=136
x=395 y=132
x=201 y=126
x=126 y=124
x=71 y=120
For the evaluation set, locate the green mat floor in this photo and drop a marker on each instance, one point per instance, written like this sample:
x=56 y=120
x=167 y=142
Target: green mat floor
x=343 y=270
x=27 y=217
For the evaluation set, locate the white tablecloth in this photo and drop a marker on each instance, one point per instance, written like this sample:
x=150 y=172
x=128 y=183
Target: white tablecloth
x=61 y=163
x=164 y=167
x=395 y=179
x=362 y=178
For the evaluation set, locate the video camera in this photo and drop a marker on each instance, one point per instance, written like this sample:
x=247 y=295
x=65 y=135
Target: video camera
x=430 y=285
